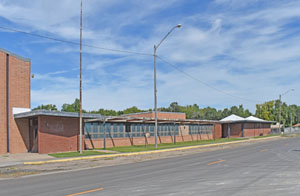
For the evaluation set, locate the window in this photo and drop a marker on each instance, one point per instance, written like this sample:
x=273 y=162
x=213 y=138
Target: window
x=200 y=129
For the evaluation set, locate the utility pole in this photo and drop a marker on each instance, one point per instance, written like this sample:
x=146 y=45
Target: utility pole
x=279 y=115
x=80 y=97
x=155 y=90
x=279 y=118
x=155 y=98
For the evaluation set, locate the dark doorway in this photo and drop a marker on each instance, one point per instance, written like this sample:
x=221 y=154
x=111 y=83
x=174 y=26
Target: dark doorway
x=33 y=135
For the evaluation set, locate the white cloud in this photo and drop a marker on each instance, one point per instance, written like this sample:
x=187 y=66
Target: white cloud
x=250 y=53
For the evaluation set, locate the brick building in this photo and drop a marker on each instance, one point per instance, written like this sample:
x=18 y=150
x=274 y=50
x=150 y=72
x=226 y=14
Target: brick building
x=14 y=96
x=138 y=129
x=22 y=130
x=162 y=115
x=50 y=131
x=236 y=126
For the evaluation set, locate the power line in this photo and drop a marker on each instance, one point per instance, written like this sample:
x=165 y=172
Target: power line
x=130 y=52
x=206 y=84
x=74 y=43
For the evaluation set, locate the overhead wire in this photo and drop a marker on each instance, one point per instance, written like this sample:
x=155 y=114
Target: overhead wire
x=131 y=52
x=206 y=84
x=74 y=43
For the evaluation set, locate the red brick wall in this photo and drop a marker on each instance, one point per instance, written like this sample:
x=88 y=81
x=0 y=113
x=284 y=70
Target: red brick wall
x=235 y=130
x=58 y=134
x=218 y=130
x=256 y=129
x=99 y=143
x=23 y=128
x=250 y=129
x=183 y=136
x=2 y=103
x=19 y=96
x=164 y=115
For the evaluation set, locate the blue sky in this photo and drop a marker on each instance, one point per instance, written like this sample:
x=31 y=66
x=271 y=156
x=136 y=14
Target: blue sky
x=246 y=48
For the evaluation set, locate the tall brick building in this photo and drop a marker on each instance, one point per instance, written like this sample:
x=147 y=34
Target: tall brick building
x=15 y=95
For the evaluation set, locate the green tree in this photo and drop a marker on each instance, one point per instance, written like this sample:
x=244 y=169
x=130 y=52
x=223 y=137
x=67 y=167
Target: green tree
x=130 y=110
x=105 y=112
x=74 y=107
x=265 y=111
x=50 y=107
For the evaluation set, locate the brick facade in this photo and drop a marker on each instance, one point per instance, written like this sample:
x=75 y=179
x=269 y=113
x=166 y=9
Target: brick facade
x=19 y=96
x=250 y=129
x=3 y=103
x=99 y=143
x=58 y=134
x=256 y=129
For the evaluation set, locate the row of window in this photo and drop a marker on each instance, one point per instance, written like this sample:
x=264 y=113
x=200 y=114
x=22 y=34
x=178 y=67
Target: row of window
x=200 y=129
x=120 y=130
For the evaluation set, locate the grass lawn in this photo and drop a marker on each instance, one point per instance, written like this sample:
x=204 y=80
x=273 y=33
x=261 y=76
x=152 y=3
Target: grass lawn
x=77 y=154
x=139 y=148
x=271 y=135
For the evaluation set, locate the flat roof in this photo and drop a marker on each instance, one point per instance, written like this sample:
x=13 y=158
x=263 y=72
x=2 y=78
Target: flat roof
x=14 y=55
x=149 y=112
x=124 y=119
x=34 y=113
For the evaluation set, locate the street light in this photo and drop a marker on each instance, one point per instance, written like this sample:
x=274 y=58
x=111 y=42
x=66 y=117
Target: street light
x=279 y=115
x=155 y=91
x=80 y=90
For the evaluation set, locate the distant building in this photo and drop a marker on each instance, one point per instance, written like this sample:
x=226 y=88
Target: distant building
x=162 y=115
x=236 y=126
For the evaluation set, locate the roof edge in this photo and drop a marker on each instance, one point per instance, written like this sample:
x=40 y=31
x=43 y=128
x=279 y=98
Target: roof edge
x=55 y=113
x=148 y=112
x=15 y=55
x=245 y=121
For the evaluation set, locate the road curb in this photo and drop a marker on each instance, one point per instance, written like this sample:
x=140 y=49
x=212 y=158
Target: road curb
x=144 y=152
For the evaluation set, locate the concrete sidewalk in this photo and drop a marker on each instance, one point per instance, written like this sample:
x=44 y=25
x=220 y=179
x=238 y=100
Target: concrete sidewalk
x=16 y=159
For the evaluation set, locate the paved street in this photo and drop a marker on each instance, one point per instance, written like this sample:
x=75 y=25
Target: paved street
x=266 y=168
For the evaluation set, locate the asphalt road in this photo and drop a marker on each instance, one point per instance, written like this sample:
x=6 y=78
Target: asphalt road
x=267 y=168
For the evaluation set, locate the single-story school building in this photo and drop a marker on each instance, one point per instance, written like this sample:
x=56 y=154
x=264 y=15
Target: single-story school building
x=138 y=129
x=52 y=131
x=236 y=126
x=40 y=131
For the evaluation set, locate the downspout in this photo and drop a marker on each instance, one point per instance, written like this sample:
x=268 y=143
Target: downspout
x=7 y=102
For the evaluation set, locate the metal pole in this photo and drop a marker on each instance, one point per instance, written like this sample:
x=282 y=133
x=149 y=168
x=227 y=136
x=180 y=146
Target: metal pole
x=279 y=118
x=155 y=98
x=80 y=110
x=104 y=132
x=155 y=91
x=174 y=133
